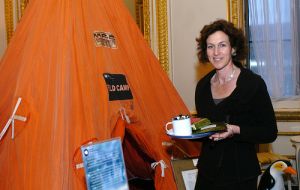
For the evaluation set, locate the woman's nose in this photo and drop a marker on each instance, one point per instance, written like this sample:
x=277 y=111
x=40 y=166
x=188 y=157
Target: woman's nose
x=216 y=51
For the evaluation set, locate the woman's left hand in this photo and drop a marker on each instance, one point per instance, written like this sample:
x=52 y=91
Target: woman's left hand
x=230 y=131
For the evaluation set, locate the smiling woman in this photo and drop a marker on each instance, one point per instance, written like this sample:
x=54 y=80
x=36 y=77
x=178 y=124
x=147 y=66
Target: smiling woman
x=236 y=96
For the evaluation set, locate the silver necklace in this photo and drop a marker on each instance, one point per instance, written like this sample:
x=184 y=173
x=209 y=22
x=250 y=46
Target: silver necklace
x=229 y=78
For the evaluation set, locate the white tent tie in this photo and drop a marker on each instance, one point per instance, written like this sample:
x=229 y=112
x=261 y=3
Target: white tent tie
x=163 y=166
x=124 y=115
x=12 y=119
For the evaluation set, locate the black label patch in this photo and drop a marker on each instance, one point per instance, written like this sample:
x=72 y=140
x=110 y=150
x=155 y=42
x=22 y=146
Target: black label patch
x=117 y=86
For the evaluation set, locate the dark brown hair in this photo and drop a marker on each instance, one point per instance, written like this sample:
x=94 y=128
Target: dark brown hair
x=236 y=38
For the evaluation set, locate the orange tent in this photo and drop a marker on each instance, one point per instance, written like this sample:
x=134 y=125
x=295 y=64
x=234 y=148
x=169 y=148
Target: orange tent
x=55 y=64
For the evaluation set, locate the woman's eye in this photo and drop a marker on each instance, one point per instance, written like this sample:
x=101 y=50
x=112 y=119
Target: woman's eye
x=222 y=45
x=209 y=47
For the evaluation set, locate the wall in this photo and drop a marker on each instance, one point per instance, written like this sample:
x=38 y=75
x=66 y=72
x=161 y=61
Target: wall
x=131 y=6
x=283 y=145
x=186 y=20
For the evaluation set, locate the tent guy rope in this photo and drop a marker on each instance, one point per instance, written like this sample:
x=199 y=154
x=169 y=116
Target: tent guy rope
x=163 y=166
x=124 y=115
x=12 y=119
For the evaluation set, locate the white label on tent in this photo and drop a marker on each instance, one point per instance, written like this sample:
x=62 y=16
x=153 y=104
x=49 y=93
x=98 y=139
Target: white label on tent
x=105 y=39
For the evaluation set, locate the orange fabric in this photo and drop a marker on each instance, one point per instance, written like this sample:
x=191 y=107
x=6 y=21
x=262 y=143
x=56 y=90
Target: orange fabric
x=53 y=64
x=138 y=162
x=119 y=129
x=153 y=152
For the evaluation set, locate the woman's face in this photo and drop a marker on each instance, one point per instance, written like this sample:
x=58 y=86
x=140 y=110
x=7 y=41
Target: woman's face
x=219 y=49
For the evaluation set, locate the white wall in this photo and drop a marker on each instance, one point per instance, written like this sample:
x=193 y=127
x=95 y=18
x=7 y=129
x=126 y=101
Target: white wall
x=283 y=144
x=131 y=6
x=186 y=20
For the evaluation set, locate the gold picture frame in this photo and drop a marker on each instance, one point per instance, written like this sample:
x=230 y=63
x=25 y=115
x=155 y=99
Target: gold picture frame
x=14 y=10
x=287 y=116
x=235 y=12
x=147 y=11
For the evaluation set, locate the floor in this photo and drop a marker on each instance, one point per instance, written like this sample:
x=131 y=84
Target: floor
x=141 y=184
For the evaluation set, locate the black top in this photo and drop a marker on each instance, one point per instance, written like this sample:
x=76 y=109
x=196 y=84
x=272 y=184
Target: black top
x=249 y=106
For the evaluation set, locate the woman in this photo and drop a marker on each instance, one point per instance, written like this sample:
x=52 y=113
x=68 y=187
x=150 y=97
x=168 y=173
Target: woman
x=236 y=96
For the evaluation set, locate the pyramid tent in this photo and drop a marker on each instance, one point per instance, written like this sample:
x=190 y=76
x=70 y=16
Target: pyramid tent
x=52 y=74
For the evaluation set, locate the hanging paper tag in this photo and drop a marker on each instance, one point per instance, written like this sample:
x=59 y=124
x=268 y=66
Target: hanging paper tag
x=104 y=165
x=105 y=39
x=117 y=86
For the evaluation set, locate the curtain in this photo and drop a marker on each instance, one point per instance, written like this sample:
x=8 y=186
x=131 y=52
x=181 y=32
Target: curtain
x=274 y=45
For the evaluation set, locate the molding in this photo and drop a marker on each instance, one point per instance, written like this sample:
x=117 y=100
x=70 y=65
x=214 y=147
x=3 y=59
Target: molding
x=155 y=28
x=146 y=16
x=287 y=116
x=139 y=15
x=235 y=13
x=9 y=19
x=14 y=10
x=162 y=27
x=23 y=6
x=288 y=133
x=281 y=116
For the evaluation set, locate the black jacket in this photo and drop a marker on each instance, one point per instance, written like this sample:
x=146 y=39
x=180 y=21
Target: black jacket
x=249 y=106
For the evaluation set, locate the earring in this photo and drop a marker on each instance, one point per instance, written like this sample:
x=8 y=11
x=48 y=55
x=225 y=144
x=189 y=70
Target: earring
x=233 y=53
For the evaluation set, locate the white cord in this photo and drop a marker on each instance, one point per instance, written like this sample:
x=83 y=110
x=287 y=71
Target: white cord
x=124 y=115
x=162 y=165
x=12 y=119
